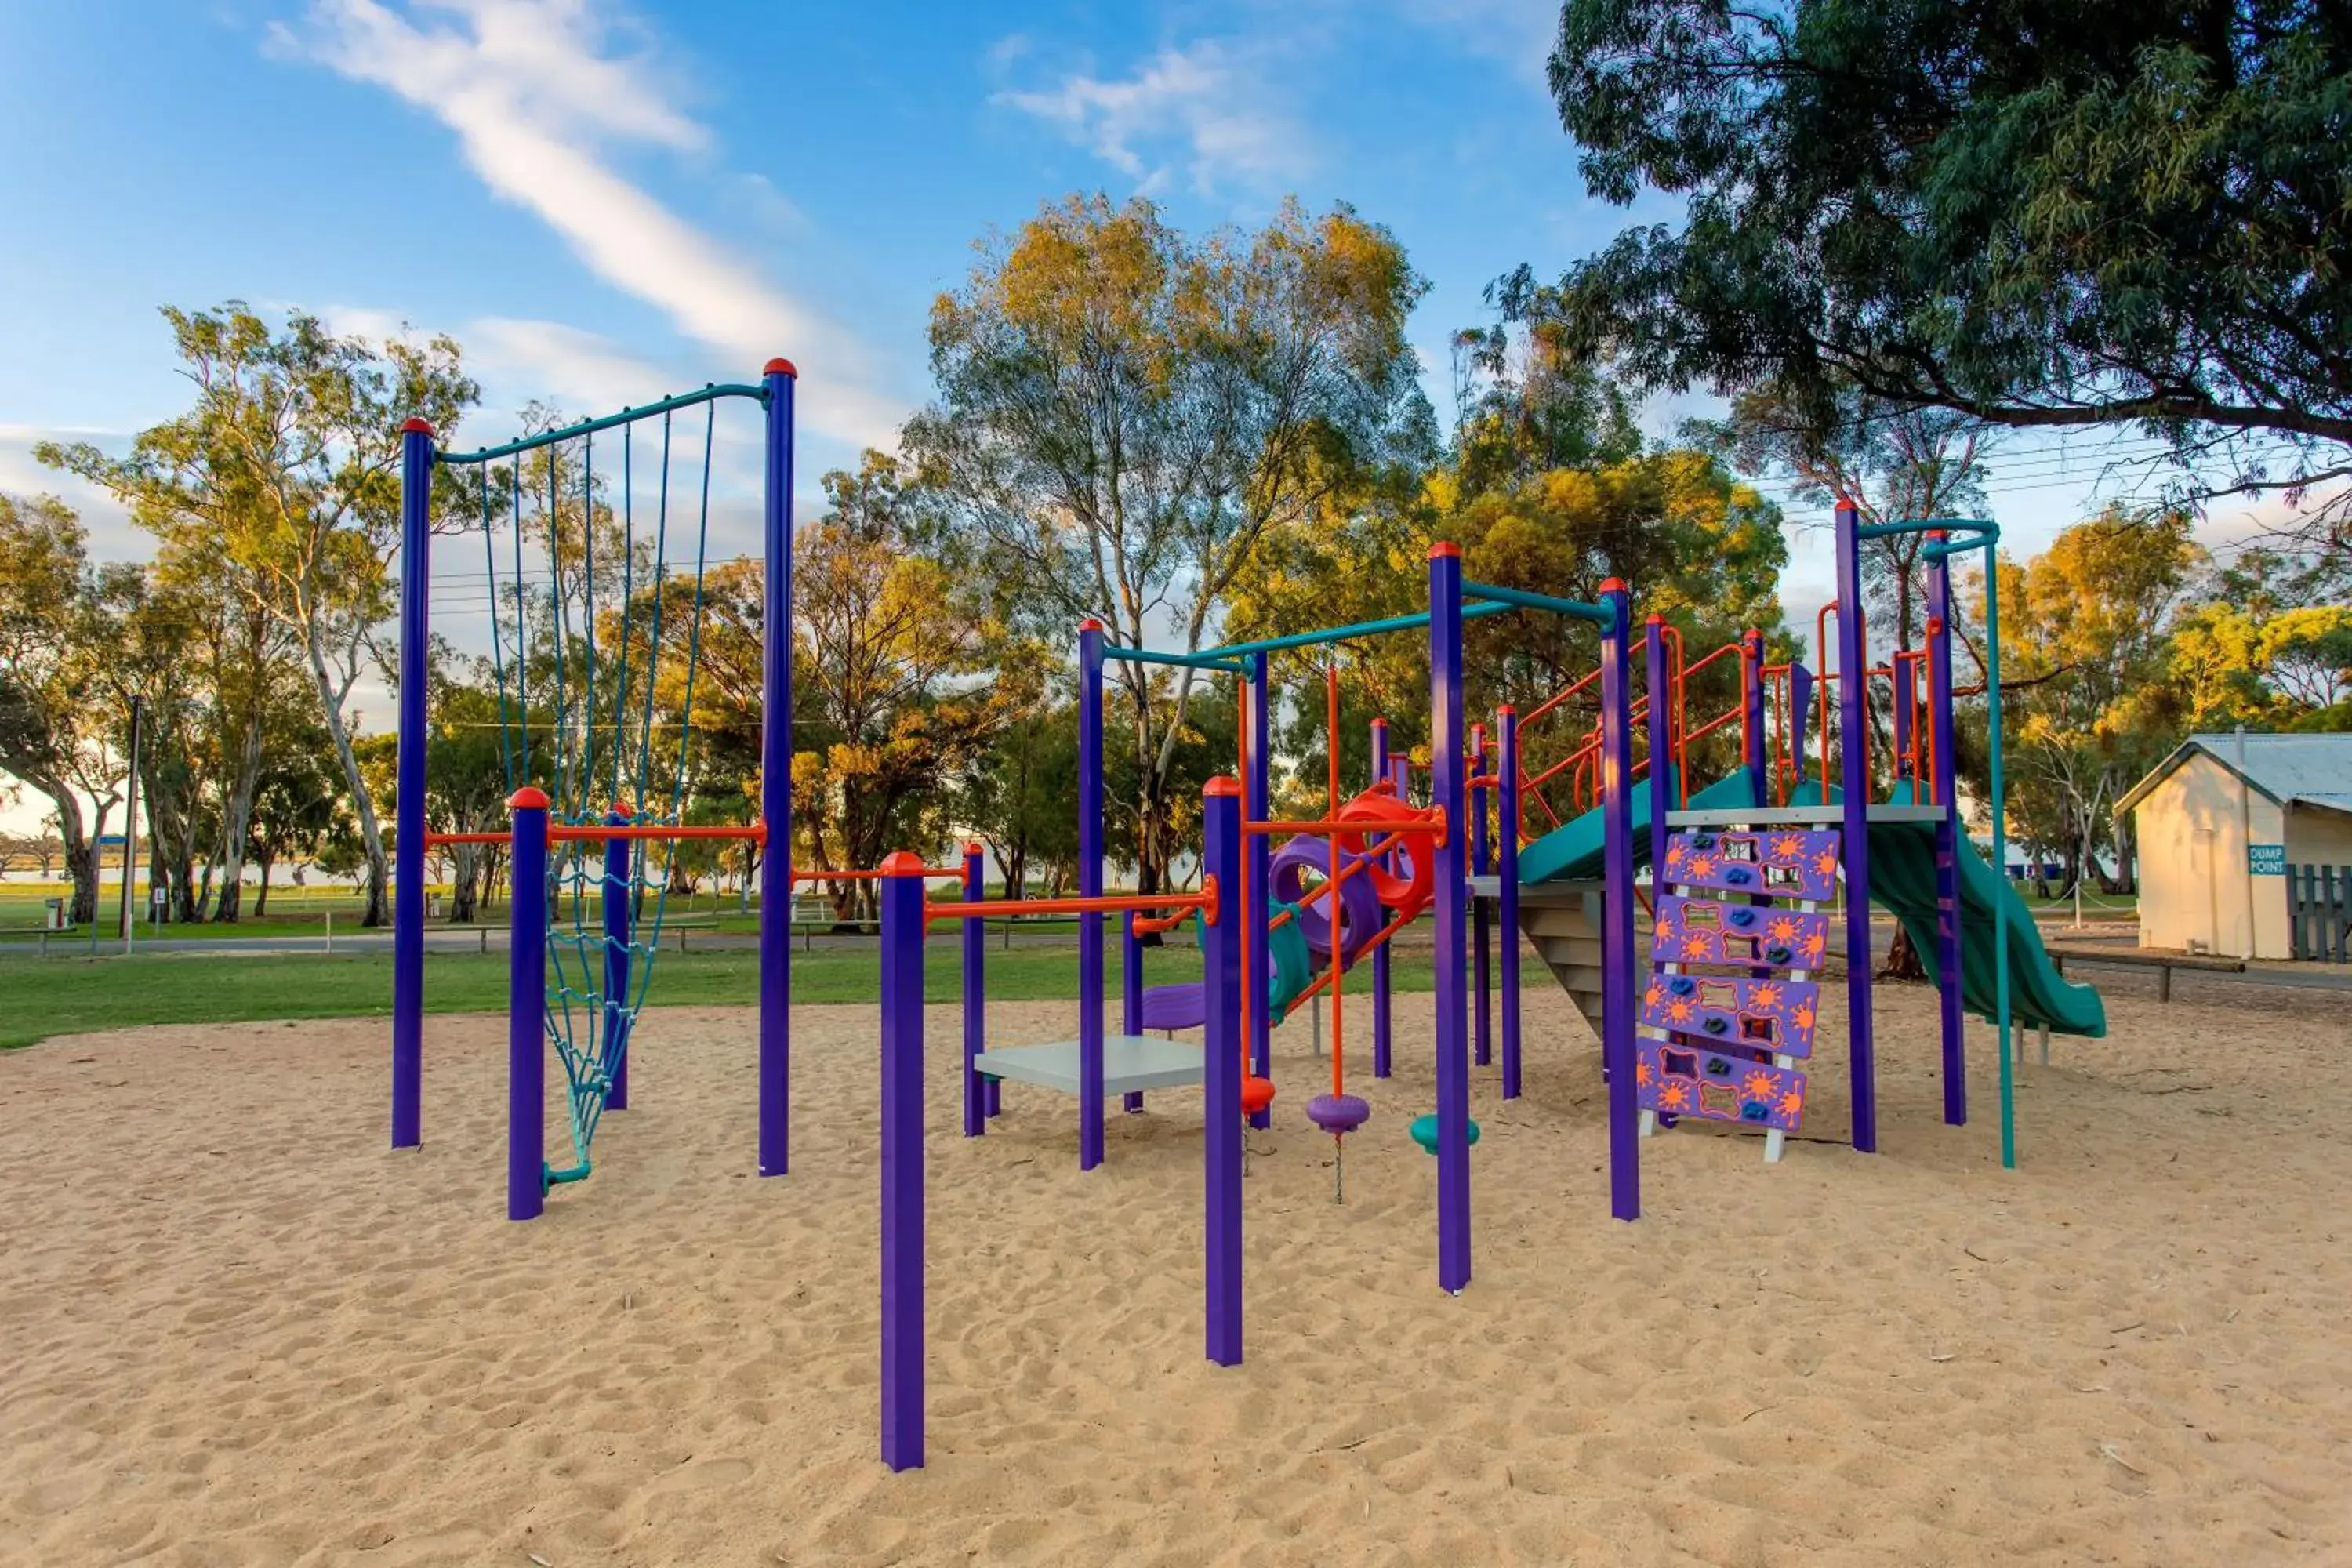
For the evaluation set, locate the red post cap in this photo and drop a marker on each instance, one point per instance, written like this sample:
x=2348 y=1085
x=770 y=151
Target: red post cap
x=780 y=366
x=1507 y=711
x=973 y=847
x=531 y=797
x=1445 y=547
x=1612 y=584
x=1655 y=619
x=1224 y=786
x=621 y=809
x=1380 y=723
x=902 y=863
x=416 y=425
x=1090 y=624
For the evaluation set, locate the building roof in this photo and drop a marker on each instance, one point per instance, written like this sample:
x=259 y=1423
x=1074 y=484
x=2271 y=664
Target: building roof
x=2290 y=770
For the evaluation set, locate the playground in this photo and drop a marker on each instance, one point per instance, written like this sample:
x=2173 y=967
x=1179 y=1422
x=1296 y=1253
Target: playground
x=245 y=1333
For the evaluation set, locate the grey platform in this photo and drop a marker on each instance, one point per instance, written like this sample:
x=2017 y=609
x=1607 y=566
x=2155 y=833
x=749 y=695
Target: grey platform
x=1797 y=815
x=1131 y=1062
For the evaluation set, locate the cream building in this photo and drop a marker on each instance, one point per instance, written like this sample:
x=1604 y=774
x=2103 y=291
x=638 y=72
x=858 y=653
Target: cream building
x=2219 y=821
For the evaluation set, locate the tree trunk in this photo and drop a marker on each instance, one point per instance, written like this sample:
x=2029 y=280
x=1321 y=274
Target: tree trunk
x=81 y=853
x=1903 y=961
x=379 y=869
x=237 y=820
x=263 y=860
x=463 y=891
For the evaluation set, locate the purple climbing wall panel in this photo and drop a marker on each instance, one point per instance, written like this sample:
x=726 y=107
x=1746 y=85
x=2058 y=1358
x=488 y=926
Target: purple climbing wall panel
x=1781 y=865
x=1724 y=1047
x=1715 y=1086
x=1707 y=931
x=1772 y=1015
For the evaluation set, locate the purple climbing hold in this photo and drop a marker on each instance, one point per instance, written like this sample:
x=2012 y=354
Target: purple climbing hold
x=1338 y=1113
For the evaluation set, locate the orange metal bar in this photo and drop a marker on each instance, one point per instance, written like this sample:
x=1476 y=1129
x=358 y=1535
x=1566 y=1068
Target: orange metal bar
x=1556 y=697
x=1428 y=819
x=805 y=874
x=1323 y=980
x=1205 y=901
x=1821 y=662
x=590 y=832
x=433 y=839
x=1143 y=925
x=1331 y=810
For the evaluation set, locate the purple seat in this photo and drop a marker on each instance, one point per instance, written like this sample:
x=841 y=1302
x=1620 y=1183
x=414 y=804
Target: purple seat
x=1180 y=1006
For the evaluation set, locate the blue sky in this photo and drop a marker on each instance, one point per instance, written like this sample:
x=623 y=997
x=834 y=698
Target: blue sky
x=608 y=199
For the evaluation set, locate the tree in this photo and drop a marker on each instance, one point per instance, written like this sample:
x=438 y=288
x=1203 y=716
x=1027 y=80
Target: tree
x=2271 y=645
x=888 y=649
x=1124 y=413
x=2034 y=213
x=294 y=802
x=2086 y=632
x=54 y=641
x=1018 y=797
x=285 y=475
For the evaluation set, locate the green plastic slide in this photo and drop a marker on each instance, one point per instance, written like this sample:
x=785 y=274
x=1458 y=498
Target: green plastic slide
x=1573 y=852
x=1902 y=882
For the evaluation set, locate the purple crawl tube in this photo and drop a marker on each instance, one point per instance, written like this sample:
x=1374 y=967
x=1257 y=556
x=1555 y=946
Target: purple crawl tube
x=1853 y=737
x=902 y=1161
x=408 y=805
x=527 y=1008
x=780 y=380
x=1619 y=984
x=976 y=1109
x=1221 y=1045
x=1446 y=755
x=1507 y=879
x=1380 y=1042
x=618 y=934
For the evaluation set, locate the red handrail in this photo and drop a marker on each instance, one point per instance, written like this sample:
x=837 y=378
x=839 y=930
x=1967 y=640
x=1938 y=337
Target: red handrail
x=1205 y=901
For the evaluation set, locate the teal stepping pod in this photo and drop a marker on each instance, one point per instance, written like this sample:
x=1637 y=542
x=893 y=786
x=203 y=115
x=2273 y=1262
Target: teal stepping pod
x=1425 y=1132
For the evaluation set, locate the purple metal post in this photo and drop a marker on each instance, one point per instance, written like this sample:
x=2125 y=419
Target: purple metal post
x=1380 y=1042
x=1853 y=732
x=976 y=1109
x=1619 y=983
x=1445 y=793
x=1948 y=951
x=902 y=1160
x=1661 y=743
x=1482 y=1035
x=1221 y=1045
x=1256 y=795
x=408 y=803
x=1751 y=698
x=618 y=934
x=527 y=1007
x=779 y=380
x=1507 y=876
x=1090 y=886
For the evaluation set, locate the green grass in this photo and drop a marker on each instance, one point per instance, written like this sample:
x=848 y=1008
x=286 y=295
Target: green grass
x=42 y=997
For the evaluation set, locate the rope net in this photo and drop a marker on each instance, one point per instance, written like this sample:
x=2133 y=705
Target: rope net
x=596 y=546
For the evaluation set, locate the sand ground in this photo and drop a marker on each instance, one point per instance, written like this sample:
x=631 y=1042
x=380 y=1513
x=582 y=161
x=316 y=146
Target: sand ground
x=235 y=1328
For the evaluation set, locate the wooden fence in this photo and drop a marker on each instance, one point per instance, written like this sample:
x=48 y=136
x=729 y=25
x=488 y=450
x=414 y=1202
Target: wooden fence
x=2319 y=912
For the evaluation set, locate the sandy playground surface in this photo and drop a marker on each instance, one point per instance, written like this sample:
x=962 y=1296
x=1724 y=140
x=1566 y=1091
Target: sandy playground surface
x=236 y=1328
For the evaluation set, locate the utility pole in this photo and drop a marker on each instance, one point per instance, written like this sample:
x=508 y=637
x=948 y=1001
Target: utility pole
x=130 y=826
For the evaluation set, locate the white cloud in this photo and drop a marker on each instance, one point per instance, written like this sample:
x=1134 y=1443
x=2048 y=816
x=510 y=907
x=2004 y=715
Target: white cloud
x=536 y=95
x=1518 y=33
x=1202 y=106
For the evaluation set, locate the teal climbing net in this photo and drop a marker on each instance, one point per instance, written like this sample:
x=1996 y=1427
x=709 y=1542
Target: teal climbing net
x=595 y=539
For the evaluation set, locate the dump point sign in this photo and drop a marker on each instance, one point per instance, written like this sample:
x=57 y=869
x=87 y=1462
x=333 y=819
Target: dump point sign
x=2266 y=860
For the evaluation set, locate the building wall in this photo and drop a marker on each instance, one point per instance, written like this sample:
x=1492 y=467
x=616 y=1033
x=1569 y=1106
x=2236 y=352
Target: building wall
x=2315 y=837
x=2194 y=890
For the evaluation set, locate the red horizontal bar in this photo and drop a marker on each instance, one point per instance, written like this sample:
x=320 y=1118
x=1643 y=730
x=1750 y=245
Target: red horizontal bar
x=1205 y=901
x=590 y=833
x=432 y=838
x=1430 y=820
x=802 y=873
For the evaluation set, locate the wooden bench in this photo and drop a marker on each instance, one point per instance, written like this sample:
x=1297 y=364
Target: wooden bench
x=2164 y=964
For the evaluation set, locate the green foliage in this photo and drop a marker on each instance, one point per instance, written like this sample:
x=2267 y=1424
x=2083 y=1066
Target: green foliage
x=1125 y=412
x=283 y=479
x=2035 y=213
